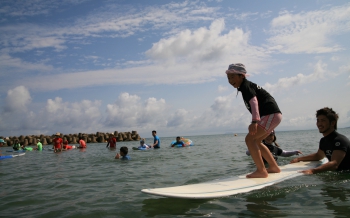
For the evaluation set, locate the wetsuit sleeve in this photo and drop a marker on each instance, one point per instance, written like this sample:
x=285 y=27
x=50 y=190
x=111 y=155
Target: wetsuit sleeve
x=288 y=153
x=340 y=143
x=255 y=108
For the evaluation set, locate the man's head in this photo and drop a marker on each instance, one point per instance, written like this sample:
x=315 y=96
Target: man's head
x=326 y=119
x=154 y=132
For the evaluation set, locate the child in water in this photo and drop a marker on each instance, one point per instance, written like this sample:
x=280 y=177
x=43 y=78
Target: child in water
x=123 y=155
x=265 y=117
x=275 y=149
x=178 y=142
x=143 y=144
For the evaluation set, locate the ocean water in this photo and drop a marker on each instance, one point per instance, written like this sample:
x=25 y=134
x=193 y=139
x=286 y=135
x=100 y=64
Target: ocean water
x=92 y=183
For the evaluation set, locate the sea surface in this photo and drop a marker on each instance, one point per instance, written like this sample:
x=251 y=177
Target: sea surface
x=91 y=183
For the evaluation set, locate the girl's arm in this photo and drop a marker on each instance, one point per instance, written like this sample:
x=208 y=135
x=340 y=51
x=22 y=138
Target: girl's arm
x=255 y=109
x=255 y=115
x=289 y=153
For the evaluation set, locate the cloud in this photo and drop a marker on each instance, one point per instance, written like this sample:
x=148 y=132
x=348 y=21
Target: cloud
x=56 y=115
x=130 y=111
x=17 y=99
x=222 y=88
x=17 y=8
x=110 y=20
x=189 y=57
x=309 y=32
x=245 y=16
x=77 y=115
x=9 y=65
x=319 y=73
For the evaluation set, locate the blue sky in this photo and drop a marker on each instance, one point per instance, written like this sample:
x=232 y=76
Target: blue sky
x=86 y=66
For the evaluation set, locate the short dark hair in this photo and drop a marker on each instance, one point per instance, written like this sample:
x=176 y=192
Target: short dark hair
x=124 y=150
x=330 y=114
x=154 y=131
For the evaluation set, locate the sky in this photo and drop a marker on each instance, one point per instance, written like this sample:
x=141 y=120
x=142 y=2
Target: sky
x=86 y=66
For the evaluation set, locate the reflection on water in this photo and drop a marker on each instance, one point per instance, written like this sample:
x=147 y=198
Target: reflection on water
x=172 y=206
x=91 y=183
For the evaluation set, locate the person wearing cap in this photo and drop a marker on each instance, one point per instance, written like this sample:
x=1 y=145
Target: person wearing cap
x=333 y=145
x=266 y=116
x=275 y=149
x=57 y=142
x=112 y=142
x=39 y=146
x=2 y=142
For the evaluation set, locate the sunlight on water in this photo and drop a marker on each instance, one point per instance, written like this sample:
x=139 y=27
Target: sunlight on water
x=92 y=183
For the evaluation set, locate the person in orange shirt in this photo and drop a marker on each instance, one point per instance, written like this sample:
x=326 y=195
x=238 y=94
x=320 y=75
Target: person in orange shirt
x=112 y=142
x=82 y=143
x=57 y=143
x=66 y=146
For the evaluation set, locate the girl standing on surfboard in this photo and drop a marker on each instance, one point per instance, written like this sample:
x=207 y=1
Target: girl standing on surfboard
x=265 y=118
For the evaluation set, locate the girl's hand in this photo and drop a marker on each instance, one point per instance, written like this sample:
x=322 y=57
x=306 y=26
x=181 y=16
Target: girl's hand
x=253 y=128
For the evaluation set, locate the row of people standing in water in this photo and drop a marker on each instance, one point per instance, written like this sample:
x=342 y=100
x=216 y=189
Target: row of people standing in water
x=266 y=116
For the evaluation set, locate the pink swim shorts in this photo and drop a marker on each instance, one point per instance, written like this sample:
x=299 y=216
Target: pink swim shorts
x=270 y=122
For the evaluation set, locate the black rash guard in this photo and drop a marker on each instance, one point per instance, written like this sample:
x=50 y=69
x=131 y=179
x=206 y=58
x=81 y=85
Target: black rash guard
x=336 y=141
x=267 y=104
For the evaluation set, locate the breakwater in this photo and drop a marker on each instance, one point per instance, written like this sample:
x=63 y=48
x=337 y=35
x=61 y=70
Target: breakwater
x=98 y=137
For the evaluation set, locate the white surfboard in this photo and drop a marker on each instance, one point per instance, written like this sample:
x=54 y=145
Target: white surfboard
x=233 y=185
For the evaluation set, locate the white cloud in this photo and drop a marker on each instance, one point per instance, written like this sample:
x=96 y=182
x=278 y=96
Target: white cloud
x=245 y=15
x=309 y=32
x=9 y=65
x=76 y=115
x=17 y=99
x=222 y=88
x=178 y=119
x=109 y=20
x=129 y=111
x=188 y=57
x=320 y=69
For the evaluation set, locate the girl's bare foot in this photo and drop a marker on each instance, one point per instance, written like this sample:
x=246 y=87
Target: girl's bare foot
x=258 y=174
x=273 y=170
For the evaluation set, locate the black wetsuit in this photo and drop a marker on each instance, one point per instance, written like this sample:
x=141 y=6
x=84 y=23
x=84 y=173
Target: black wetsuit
x=336 y=141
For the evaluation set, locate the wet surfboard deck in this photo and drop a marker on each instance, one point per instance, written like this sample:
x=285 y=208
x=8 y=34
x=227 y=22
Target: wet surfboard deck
x=234 y=185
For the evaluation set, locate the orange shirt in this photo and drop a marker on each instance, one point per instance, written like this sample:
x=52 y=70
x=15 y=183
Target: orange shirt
x=112 y=142
x=82 y=143
x=57 y=143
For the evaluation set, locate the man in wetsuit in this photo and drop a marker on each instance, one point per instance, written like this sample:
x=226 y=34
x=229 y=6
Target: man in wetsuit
x=334 y=146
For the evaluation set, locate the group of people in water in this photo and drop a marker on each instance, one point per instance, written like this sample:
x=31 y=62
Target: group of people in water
x=266 y=116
